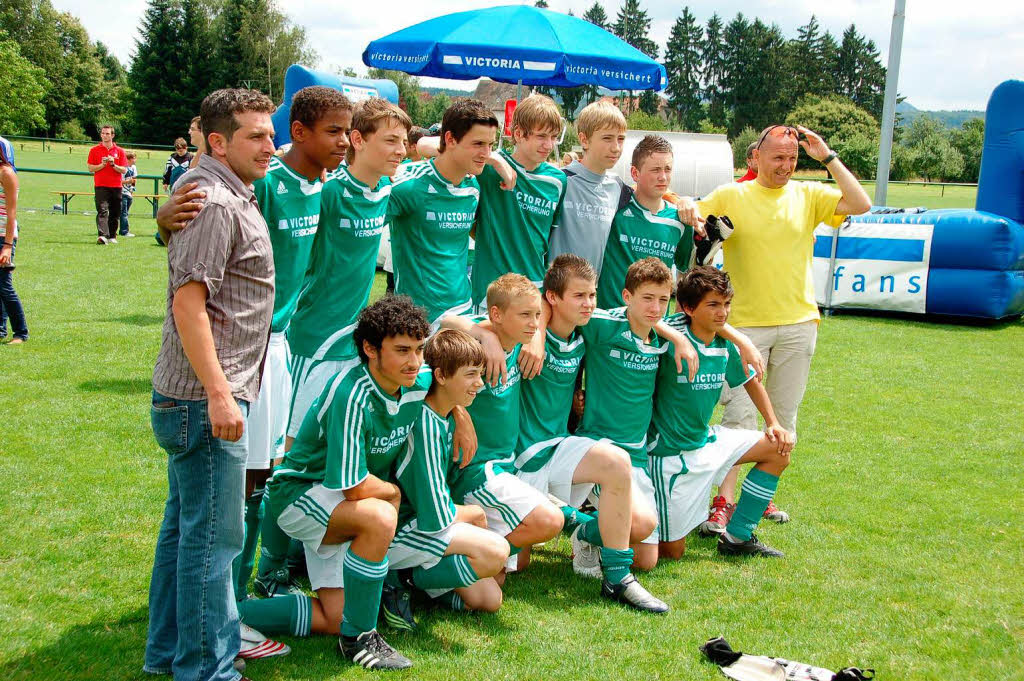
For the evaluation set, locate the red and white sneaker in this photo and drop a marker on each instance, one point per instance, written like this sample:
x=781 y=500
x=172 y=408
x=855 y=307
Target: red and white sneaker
x=775 y=514
x=255 y=645
x=718 y=518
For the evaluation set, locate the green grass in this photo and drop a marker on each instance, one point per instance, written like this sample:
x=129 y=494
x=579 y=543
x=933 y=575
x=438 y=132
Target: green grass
x=906 y=493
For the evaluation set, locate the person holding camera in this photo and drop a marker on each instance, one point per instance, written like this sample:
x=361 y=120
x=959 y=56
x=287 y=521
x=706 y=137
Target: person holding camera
x=107 y=163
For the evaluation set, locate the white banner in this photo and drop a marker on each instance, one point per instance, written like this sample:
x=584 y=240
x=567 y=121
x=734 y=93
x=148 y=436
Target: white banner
x=877 y=266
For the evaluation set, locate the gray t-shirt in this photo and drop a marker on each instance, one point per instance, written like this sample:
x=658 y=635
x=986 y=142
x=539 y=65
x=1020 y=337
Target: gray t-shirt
x=590 y=204
x=228 y=249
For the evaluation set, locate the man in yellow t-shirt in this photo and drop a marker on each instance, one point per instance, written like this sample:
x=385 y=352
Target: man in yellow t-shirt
x=769 y=258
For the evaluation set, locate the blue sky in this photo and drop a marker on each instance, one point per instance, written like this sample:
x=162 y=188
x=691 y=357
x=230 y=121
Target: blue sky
x=954 y=53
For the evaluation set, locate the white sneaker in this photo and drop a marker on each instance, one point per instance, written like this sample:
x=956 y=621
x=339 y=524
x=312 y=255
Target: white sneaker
x=111 y=240
x=586 y=558
x=101 y=241
x=255 y=645
x=512 y=564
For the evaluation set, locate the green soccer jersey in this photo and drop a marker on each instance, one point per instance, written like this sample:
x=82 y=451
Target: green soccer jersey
x=344 y=261
x=290 y=204
x=495 y=414
x=352 y=430
x=430 y=224
x=422 y=472
x=620 y=376
x=683 y=410
x=513 y=227
x=546 y=401
x=637 y=233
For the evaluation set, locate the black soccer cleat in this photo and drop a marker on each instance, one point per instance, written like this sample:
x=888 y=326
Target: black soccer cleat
x=718 y=229
x=396 y=608
x=751 y=547
x=630 y=592
x=369 y=650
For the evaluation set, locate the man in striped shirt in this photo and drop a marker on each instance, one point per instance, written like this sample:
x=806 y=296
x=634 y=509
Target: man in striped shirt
x=220 y=298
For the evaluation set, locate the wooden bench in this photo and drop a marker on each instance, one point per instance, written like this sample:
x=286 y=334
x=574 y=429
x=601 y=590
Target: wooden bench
x=66 y=196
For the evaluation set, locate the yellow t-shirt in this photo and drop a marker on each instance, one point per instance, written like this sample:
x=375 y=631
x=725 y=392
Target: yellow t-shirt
x=769 y=256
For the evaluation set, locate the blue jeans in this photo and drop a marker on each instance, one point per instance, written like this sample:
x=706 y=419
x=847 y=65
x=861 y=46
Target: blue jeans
x=193 y=619
x=126 y=203
x=10 y=304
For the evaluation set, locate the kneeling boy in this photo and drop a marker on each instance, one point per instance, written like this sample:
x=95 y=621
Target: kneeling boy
x=686 y=456
x=333 y=490
x=436 y=548
x=514 y=509
x=568 y=467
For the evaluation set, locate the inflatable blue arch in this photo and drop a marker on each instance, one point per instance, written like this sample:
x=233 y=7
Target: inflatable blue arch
x=298 y=77
x=964 y=263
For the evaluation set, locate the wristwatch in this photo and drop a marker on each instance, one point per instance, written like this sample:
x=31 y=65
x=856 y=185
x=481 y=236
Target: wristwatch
x=828 y=159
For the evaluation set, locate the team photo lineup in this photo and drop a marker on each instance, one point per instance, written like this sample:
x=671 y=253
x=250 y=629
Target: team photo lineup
x=560 y=376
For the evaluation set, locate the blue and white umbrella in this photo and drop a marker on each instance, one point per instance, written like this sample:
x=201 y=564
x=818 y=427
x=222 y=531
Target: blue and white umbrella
x=517 y=44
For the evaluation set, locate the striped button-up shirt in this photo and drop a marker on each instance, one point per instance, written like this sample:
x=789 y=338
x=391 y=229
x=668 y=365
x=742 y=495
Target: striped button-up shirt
x=227 y=248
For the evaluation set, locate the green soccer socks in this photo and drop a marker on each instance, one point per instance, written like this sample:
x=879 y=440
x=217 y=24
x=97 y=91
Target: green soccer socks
x=451 y=572
x=281 y=615
x=615 y=563
x=758 y=489
x=364 y=580
x=241 y=568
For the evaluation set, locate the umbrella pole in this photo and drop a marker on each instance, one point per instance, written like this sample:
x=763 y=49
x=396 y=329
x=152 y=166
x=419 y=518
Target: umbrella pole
x=519 y=91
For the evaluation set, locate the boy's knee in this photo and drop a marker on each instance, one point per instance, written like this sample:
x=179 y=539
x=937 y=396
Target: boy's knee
x=645 y=560
x=642 y=524
x=614 y=464
x=545 y=522
x=493 y=556
x=672 y=550
x=488 y=600
x=379 y=517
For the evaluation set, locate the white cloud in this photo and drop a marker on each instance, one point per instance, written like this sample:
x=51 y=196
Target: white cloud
x=954 y=52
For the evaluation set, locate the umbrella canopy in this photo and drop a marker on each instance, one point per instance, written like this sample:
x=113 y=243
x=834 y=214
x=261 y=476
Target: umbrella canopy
x=513 y=44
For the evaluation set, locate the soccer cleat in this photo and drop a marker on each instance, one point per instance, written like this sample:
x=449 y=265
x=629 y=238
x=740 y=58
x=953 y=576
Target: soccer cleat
x=775 y=514
x=751 y=547
x=718 y=229
x=718 y=518
x=276 y=583
x=370 y=651
x=101 y=241
x=255 y=645
x=586 y=558
x=630 y=592
x=396 y=607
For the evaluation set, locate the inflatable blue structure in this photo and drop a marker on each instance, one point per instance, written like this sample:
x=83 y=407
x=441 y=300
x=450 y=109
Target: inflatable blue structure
x=298 y=77
x=964 y=263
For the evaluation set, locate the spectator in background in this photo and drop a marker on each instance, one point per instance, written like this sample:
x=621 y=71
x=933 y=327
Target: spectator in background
x=569 y=157
x=751 y=164
x=107 y=163
x=195 y=135
x=10 y=304
x=128 y=192
x=412 y=154
x=178 y=163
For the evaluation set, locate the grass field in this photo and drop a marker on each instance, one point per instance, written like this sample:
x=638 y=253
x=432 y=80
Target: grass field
x=906 y=493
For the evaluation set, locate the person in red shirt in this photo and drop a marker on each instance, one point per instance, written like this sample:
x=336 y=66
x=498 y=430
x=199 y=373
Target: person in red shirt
x=751 y=164
x=107 y=163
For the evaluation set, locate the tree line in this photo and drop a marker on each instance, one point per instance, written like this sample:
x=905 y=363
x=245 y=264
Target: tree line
x=70 y=86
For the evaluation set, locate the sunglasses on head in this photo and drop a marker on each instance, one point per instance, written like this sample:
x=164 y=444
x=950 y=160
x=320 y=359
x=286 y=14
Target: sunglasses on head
x=783 y=130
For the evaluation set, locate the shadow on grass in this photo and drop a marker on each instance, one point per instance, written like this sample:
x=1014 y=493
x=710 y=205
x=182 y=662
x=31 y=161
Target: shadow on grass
x=118 y=386
x=138 y=319
x=97 y=650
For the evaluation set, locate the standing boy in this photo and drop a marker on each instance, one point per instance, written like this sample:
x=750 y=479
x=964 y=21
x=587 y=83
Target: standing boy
x=432 y=207
x=686 y=455
x=514 y=509
x=128 y=182
x=647 y=226
x=568 y=467
x=437 y=547
x=513 y=227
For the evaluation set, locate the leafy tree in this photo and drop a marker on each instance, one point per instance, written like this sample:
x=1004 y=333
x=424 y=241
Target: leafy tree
x=434 y=110
x=740 y=144
x=834 y=118
x=805 y=61
x=860 y=154
x=682 y=63
x=24 y=85
x=707 y=127
x=633 y=25
x=543 y=4
x=270 y=39
x=199 y=70
x=571 y=99
x=715 y=70
x=756 y=53
x=935 y=157
x=969 y=140
x=640 y=120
